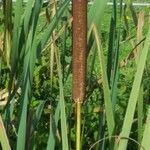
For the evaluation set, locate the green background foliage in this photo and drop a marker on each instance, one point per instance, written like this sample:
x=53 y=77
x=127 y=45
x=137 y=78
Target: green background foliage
x=36 y=103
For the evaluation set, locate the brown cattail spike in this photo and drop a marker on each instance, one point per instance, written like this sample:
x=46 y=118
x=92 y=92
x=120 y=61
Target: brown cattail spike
x=79 y=49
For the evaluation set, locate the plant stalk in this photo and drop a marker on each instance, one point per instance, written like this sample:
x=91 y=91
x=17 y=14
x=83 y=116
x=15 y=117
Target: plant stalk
x=78 y=125
x=7 y=10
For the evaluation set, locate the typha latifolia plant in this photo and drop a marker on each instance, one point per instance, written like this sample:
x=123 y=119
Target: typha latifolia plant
x=79 y=57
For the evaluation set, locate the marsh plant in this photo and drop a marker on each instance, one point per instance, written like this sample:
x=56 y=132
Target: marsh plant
x=52 y=98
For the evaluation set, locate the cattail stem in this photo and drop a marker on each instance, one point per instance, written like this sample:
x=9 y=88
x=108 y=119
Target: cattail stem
x=78 y=125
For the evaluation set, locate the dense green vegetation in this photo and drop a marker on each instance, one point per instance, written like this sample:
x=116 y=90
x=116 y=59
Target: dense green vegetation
x=36 y=106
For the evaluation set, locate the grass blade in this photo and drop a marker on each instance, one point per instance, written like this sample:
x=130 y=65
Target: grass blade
x=95 y=16
x=48 y=31
x=53 y=128
x=96 y=12
x=3 y=136
x=28 y=66
x=146 y=134
x=107 y=98
x=65 y=145
x=140 y=102
x=7 y=5
x=134 y=95
x=140 y=113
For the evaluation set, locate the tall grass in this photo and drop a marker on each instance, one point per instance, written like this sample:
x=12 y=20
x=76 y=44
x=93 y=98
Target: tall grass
x=36 y=78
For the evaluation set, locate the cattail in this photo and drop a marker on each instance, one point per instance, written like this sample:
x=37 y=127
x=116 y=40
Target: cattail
x=79 y=49
x=79 y=59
